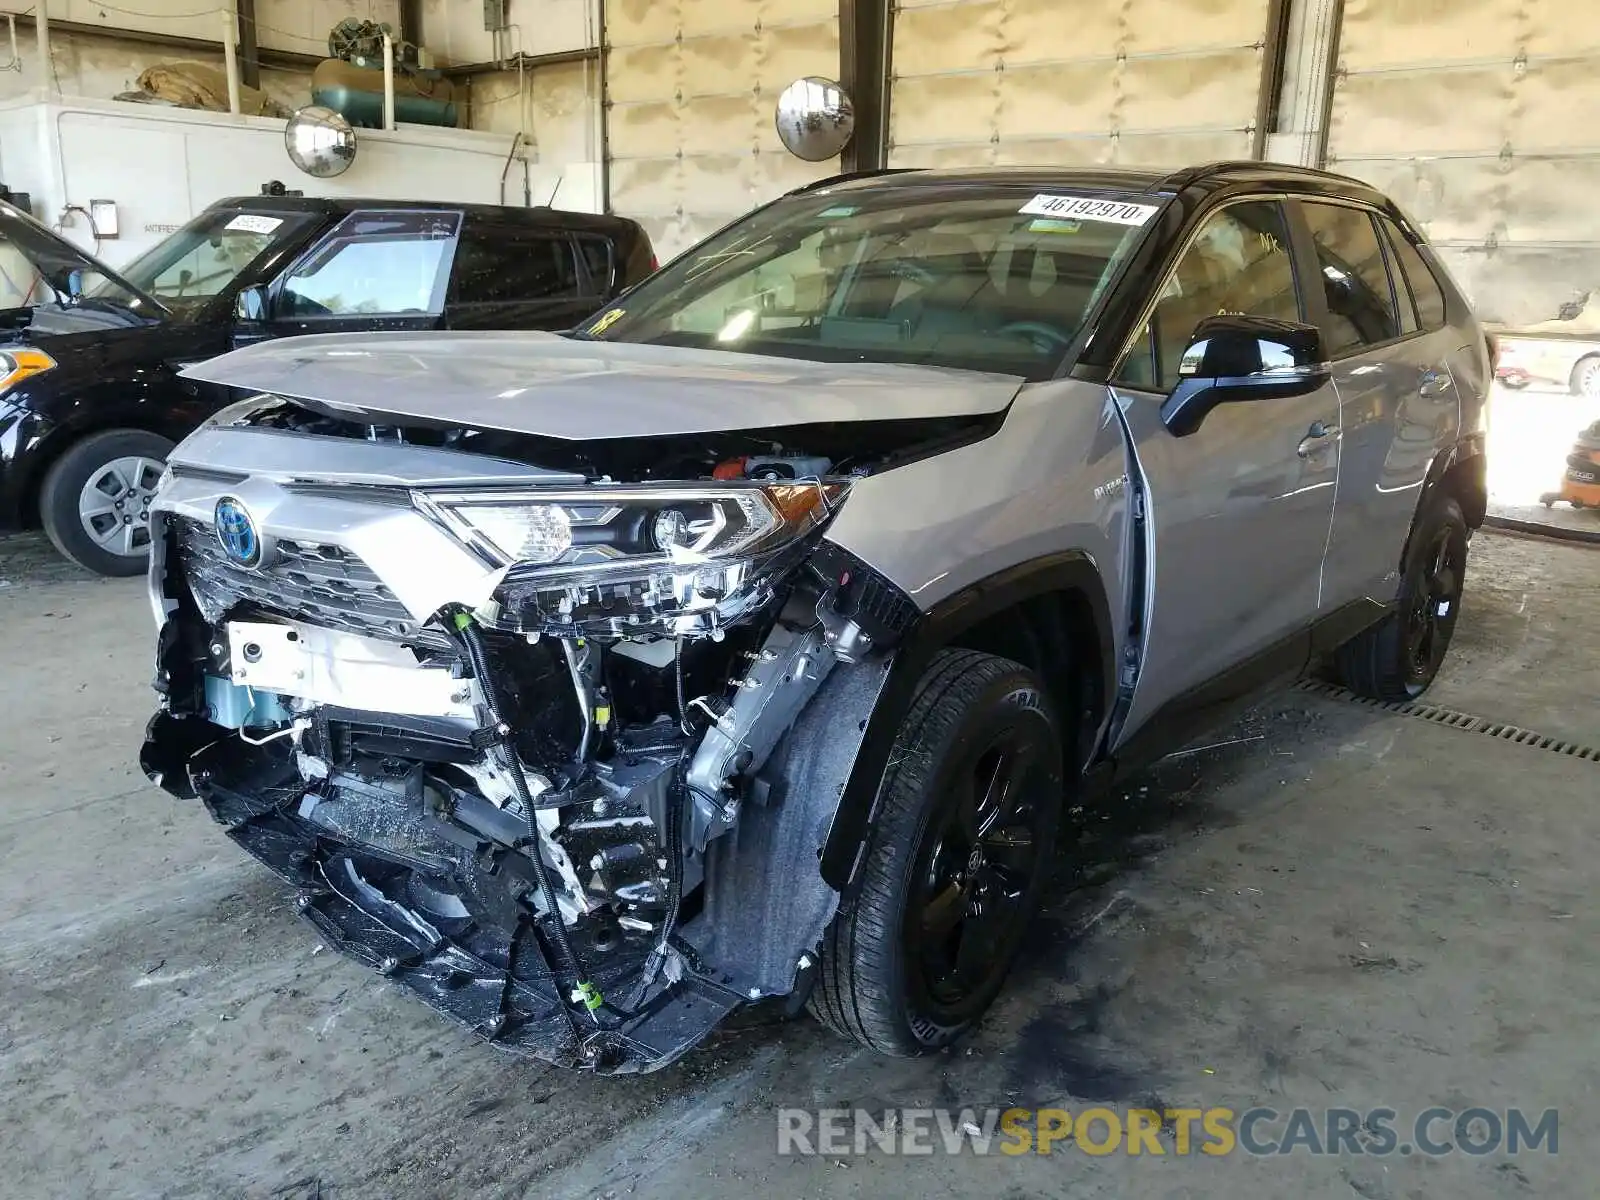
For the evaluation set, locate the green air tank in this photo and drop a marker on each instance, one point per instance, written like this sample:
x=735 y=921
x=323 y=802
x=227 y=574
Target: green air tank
x=356 y=93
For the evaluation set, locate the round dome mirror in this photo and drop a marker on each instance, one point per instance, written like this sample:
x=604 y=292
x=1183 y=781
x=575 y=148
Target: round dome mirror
x=320 y=141
x=815 y=118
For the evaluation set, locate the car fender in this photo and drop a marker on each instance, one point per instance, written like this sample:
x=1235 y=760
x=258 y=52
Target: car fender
x=1467 y=452
x=873 y=738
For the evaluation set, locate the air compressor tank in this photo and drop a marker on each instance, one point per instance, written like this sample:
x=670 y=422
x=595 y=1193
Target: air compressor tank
x=356 y=93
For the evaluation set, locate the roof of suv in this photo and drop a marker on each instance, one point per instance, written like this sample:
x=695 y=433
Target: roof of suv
x=340 y=205
x=1209 y=177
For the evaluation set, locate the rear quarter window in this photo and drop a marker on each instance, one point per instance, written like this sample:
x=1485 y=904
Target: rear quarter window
x=1425 y=290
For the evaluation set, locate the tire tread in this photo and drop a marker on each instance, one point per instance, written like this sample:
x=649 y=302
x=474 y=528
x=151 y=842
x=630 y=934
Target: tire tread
x=850 y=996
x=1373 y=663
x=58 y=512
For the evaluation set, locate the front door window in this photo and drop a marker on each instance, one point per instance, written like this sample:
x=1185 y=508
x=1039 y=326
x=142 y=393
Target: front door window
x=1239 y=263
x=374 y=264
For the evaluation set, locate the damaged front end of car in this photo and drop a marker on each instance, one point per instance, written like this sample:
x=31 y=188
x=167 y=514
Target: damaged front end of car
x=556 y=747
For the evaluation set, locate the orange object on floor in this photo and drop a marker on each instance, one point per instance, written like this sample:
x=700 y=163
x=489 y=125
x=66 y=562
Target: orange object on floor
x=1580 y=485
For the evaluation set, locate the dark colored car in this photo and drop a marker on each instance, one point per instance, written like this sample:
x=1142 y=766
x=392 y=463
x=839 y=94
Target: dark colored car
x=90 y=398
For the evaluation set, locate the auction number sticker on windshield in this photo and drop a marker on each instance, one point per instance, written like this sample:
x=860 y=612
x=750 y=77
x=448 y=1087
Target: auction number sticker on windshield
x=1087 y=208
x=254 y=223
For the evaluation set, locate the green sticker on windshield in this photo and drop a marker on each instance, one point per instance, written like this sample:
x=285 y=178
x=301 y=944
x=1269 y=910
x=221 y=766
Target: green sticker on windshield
x=1046 y=225
x=840 y=210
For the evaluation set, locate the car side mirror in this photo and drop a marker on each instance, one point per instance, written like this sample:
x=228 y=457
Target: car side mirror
x=251 y=306
x=1234 y=358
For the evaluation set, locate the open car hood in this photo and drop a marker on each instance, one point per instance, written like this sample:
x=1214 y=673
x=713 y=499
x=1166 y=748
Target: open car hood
x=551 y=386
x=57 y=260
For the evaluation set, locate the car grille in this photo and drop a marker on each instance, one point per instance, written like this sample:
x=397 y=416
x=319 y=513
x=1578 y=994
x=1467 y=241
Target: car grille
x=326 y=586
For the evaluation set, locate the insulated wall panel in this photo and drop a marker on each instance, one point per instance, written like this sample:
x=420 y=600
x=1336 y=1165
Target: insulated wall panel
x=691 y=87
x=1149 y=82
x=1479 y=117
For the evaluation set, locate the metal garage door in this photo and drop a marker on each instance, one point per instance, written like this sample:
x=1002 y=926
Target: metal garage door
x=1482 y=118
x=1074 y=81
x=690 y=90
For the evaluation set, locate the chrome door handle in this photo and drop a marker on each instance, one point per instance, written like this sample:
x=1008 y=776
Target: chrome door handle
x=1316 y=439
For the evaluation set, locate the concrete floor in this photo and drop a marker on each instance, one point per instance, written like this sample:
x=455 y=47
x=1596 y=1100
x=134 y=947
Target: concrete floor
x=1348 y=907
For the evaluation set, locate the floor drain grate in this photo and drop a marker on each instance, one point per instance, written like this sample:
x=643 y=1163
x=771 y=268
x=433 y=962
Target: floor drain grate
x=1456 y=720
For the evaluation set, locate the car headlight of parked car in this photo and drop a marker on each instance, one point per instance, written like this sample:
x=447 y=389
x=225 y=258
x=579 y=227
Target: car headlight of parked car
x=17 y=365
x=616 y=559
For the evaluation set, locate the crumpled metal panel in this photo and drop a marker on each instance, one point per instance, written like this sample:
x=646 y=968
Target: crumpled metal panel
x=1016 y=81
x=1478 y=117
x=690 y=91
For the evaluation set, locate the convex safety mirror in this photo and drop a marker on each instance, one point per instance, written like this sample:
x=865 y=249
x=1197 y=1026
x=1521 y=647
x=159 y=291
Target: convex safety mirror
x=320 y=141
x=815 y=118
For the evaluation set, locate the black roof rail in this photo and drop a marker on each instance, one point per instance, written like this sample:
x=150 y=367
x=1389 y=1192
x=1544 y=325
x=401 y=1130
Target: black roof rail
x=1188 y=175
x=846 y=177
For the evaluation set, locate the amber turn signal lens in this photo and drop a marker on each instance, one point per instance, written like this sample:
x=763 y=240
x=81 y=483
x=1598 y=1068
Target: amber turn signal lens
x=17 y=365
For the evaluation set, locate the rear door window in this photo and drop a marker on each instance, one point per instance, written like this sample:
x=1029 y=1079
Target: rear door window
x=597 y=258
x=502 y=263
x=1355 y=278
x=374 y=264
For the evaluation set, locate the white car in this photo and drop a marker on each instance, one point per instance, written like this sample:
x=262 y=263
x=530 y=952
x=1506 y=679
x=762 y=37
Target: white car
x=1571 y=362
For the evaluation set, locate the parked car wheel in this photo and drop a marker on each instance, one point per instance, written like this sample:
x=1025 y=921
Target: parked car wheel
x=1586 y=377
x=962 y=845
x=1398 y=658
x=95 y=501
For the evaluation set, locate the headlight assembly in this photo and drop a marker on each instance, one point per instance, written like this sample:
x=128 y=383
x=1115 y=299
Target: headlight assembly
x=668 y=559
x=17 y=365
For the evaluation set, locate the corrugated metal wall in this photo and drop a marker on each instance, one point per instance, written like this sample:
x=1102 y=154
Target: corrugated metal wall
x=690 y=90
x=1482 y=118
x=1074 y=81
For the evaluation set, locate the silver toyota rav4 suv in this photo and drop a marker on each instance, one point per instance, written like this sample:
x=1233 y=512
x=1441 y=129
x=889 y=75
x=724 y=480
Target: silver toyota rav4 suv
x=751 y=640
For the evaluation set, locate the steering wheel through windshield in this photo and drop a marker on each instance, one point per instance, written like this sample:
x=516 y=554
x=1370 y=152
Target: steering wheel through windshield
x=1045 y=337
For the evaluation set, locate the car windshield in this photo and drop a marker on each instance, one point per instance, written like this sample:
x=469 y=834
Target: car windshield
x=984 y=280
x=204 y=257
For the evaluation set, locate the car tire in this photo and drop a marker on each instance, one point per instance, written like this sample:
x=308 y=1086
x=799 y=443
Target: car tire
x=95 y=499
x=1399 y=657
x=980 y=750
x=1586 y=378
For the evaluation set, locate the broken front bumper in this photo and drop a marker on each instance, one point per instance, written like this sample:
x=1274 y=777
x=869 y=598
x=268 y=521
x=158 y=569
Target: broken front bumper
x=401 y=899
x=402 y=881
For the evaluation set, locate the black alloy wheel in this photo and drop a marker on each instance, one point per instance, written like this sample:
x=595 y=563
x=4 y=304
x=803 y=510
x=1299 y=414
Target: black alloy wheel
x=1398 y=658
x=1431 y=617
x=959 y=851
x=976 y=868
